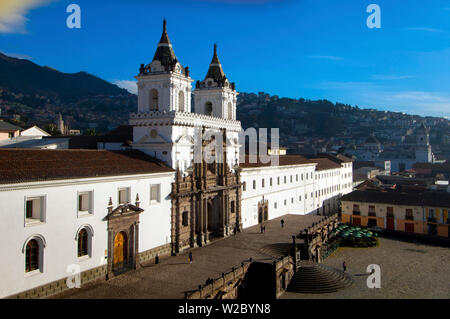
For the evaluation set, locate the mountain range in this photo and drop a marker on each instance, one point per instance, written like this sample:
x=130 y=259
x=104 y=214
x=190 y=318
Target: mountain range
x=24 y=76
x=33 y=95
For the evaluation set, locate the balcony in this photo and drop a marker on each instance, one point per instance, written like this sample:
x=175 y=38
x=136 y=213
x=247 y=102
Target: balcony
x=372 y=214
x=357 y=213
x=409 y=217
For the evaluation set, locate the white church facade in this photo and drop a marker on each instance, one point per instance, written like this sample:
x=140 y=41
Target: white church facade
x=104 y=212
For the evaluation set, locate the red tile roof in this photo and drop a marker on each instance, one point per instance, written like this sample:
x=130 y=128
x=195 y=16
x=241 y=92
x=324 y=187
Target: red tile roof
x=324 y=164
x=29 y=165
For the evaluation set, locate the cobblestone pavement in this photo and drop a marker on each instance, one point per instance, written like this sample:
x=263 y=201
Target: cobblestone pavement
x=174 y=275
x=408 y=270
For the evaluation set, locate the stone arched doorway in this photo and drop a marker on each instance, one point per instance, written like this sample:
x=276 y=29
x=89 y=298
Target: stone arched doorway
x=123 y=238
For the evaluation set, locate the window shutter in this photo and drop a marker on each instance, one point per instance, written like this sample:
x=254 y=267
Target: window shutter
x=29 y=209
x=428 y=211
x=438 y=211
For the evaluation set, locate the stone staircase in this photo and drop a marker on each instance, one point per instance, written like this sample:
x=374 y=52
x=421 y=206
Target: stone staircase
x=316 y=278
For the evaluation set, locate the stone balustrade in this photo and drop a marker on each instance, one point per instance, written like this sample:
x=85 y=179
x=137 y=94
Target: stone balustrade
x=165 y=118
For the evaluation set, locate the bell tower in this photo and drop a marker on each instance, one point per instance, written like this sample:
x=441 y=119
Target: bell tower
x=215 y=95
x=164 y=85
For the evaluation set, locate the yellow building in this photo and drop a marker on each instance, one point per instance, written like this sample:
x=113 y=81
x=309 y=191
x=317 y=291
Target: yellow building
x=422 y=213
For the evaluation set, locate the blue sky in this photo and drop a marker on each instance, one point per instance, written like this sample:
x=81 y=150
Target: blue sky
x=315 y=49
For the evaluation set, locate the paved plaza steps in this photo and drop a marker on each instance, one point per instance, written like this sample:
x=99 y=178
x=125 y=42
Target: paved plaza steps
x=276 y=250
x=317 y=278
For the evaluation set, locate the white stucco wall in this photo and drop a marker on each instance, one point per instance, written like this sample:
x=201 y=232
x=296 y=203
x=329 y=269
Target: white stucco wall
x=62 y=223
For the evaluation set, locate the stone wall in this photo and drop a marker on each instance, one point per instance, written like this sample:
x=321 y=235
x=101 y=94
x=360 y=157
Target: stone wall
x=164 y=250
x=59 y=286
x=249 y=279
x=88 y=276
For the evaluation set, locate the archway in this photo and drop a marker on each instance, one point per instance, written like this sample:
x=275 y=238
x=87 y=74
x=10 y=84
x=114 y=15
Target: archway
x=120 y=249
x=208 y=108
x=181 y=102
x=154 y=100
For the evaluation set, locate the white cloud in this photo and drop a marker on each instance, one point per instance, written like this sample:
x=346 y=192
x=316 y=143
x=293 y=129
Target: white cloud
x=130 y=86
x=376 y=95
x=383 y=77
x=13 y=14
x=18 y=55
x=326 y=57
x=424 y=29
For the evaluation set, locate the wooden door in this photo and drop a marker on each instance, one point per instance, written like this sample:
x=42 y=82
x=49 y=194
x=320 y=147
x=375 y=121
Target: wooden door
x=409 y=227
x=120 y=247
x=357 y=221
x=390 y=225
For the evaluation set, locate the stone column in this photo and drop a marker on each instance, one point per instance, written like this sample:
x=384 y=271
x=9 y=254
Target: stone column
x=109 y=273
x=193 y=222
x=136 y=250
x=205 y=220
x=200 y=222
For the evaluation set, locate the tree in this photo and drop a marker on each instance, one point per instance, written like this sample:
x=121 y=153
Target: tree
x=52 y=130
x=90 y=132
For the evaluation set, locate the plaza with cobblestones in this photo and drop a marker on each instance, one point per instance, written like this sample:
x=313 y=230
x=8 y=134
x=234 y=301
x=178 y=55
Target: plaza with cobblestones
x=408 y=270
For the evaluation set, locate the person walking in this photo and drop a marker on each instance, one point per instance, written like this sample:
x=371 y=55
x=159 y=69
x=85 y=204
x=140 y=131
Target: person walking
x=262 y=228
x=190 y=257
x=344 y=266
x=282 y=223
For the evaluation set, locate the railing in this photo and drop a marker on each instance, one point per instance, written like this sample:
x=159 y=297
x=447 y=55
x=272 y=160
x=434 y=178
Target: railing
x=372 y=214
x=357 y=213
x=409 y=217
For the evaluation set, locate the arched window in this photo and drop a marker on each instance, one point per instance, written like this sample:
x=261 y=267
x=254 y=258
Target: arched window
x=154 y=100
x=32 y=255
x=230 y=111
x=208 y=108
x=83 y=243
x=181 y=102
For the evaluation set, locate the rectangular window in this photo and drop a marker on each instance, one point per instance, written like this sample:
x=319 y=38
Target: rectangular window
x=390 y=212
x=300 y=198
x=154 y=193
x=296 y=177
x=244 y=186
x=275 y=205
x=34 y=209
x=291 y=178
x=285 y=179
x=254 y=184
x=262 y=183
x=271 y=181
x=372 y=211
x=185 y=218
x=278 y=180
x=285 y=202
x=409 y=214
x=124 y=195
x=84 y=202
